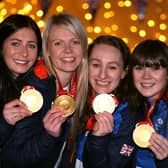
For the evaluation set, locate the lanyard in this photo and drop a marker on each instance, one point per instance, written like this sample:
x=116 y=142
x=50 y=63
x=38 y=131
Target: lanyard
x=151 y=109
x=73 y=88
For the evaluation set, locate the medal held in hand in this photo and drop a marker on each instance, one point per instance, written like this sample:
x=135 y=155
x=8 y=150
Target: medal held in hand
x=100 y=103
x=144 y=129
x=67 y=103
x=142 y=134
x=66 y=100
x=104 y=102
x=32 y=98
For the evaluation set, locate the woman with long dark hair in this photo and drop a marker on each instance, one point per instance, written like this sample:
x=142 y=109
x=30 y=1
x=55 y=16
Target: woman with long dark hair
x=149 y=73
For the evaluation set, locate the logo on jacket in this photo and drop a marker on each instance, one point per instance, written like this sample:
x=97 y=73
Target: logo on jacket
x=126 y=150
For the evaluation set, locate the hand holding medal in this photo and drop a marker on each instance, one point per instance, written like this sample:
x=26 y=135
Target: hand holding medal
x=144 y=129
x=101 y=103
x=104 y=102
x=32 y=98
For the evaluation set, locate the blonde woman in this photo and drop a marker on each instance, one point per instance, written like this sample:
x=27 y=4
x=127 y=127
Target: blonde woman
x=65 y=54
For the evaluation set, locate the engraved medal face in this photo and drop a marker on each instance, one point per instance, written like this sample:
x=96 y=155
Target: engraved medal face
x=33 y=99
x=67 y=103
x=142 y=134
x=104 y=102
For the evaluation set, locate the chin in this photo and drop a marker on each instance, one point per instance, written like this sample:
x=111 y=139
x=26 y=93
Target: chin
x=148 y=95
x=102 y=91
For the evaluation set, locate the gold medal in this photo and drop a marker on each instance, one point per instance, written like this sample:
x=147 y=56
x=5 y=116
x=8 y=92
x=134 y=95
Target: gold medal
x=32 y=98
x=104 y=102
x=67 y=103
x=142 y=134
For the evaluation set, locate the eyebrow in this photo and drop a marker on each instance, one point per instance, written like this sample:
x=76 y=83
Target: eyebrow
x=12 y=39
x=112 y=62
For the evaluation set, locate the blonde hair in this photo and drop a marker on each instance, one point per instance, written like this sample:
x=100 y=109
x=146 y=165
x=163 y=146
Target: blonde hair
x=74 y=25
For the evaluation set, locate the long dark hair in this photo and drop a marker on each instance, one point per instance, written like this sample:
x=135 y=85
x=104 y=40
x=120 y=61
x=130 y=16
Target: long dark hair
x=148 y=53
x=8 y=85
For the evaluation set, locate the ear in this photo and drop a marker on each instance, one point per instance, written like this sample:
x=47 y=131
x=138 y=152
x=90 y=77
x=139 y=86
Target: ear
x=124 y=73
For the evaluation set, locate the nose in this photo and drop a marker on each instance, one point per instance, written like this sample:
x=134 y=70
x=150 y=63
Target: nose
x=103 y=72
x=67 y=47
x=24 y=51
x=146 y=72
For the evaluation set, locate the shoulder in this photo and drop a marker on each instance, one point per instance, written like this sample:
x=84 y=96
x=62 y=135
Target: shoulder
x=123 y=110
x=163 y=104
x=33 y=78
x=41 y=80
x=123 y=107
x=39 y=75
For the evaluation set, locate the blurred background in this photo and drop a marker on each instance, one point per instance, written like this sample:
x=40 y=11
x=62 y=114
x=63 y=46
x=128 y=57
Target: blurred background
x=132 y=20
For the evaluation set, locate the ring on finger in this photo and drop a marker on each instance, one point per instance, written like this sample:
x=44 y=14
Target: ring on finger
x=14 y=114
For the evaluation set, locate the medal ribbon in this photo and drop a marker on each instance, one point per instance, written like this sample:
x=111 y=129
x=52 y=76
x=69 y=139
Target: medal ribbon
x=92 y=96
x=73 y=87
x=27 y=88
x=150 y=111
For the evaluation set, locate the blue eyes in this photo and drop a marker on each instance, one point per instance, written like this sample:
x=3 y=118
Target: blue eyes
x=18 y=44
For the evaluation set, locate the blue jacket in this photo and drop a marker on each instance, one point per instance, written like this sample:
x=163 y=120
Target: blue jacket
x=145 y=157
x=113 y=150
x=29 y=145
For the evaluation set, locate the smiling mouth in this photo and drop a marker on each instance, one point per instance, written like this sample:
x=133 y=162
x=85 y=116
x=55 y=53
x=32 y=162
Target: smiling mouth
x=21 y=62
x=68 y=59
x=102 y=83
x=147 y=84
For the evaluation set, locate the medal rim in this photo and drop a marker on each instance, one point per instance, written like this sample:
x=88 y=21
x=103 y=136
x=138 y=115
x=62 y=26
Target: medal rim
x=139 y=142
x=32 y=92
x=98 y=98
x=66 y=97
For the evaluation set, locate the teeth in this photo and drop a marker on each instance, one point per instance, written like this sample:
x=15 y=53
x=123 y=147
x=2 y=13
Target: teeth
x=147 y=84
x=68 y=59
x=20 y=62
x=104 y=83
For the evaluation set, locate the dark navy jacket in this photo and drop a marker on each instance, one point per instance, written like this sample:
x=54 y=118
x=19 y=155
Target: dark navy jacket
x=113 y=150
x=27 y=144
